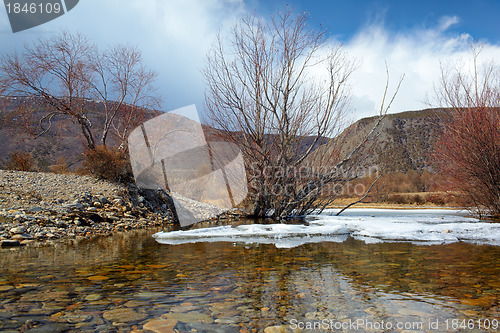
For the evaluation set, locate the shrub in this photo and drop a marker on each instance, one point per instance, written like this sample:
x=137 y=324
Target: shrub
x=436 y=199
x=21 y=161
x=397 y=199
x=417 y=199
x=61 y=166
x=107 y=163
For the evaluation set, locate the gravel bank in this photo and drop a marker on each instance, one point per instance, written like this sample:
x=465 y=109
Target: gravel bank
x=45 y=207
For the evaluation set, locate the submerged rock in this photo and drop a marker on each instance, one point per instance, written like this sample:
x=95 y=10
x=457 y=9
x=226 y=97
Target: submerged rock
x=50 y=328
x=190 y=317
x=123 y=315
x=160 y=325
x=277 y=329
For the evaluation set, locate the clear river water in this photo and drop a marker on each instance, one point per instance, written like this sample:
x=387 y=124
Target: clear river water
x=365 y=272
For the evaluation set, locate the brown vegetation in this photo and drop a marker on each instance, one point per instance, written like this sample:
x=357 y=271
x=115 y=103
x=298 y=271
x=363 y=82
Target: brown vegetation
x=21 y=161
x=412 y=188
x=448 y=199
x=107 y=163
x=60 y=167
x=469 y=149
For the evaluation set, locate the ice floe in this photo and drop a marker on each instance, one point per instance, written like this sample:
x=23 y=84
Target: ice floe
x=423 y=226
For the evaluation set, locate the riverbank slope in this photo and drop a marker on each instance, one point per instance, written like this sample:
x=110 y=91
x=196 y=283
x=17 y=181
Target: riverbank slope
x=38 y=206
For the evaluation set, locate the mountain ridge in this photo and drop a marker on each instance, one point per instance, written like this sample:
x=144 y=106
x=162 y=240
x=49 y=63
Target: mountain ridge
x=402 y=141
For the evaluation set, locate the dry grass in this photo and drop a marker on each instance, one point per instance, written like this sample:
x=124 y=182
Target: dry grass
x=408 y=200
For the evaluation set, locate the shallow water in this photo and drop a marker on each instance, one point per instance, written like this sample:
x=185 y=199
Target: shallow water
x=127 y=281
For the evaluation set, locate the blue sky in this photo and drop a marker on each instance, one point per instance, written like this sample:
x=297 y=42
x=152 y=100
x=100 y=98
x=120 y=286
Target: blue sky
x=413 y=37
x=478 y=18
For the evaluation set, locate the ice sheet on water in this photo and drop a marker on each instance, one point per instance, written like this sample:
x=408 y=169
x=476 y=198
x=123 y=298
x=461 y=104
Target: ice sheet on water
x=281 y=235
x=423 y=226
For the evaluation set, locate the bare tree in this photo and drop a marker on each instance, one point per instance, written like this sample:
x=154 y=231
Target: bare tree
x=124 y=87
x=469 y=149
x=281 y=92
x=68 y=72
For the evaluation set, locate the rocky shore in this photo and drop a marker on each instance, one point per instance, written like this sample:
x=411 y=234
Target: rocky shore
x=44 y=207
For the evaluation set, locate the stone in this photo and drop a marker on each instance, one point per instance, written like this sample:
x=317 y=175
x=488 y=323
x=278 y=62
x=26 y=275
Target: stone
x=277 y=329
x=149 y=294
x=6 y=288
x=103 y=200
x=191 y=294
x=93 y=297
x=371 y=311
x=75 y=205
x=118 y=202
x=17 y=230
x=412 y=312
x=53 y=306
x=10 y=243
x=160 y=325
x=21 y=237
x=212 y=328
x=231 y=320
x=190 y=317
x=135 y=304
x=83 y=325
x=98 y=278
x=123 y=315
x=184 y=308
x=76 y=318
x=50 y=328
x=316 y=315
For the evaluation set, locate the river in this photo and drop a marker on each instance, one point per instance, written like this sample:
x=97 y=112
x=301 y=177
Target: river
x=346 y=284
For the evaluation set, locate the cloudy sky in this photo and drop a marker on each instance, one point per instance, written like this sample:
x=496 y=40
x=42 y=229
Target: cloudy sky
x=413 y=37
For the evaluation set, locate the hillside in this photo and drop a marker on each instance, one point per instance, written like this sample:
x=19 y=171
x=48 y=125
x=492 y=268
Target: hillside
x=403 y=141
x=64 y=140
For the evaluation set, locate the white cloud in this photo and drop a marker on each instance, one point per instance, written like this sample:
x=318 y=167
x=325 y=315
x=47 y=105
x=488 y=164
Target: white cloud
x=447 y=21
x=417 y=54
x=174 y=36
